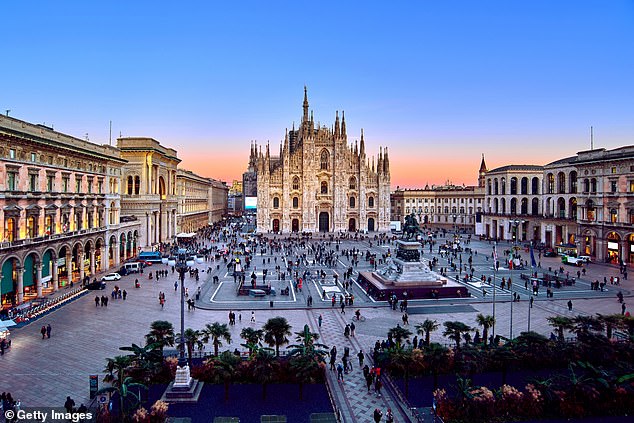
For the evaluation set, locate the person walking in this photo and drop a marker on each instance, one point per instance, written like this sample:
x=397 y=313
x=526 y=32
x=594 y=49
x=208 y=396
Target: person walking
x=43 y=332
x=319 y=320
x=253 y=317
x=69 y=404
x=623 y=309
x=352 y=328
x=377 y=386
x=97 y=301
x=124 y=294
x=360 y=356
x=48 y=330
x=378 y=415
x=339 y=372
x=569 y=305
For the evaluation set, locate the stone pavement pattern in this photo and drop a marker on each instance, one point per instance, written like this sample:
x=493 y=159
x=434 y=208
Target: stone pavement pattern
x=42 y=372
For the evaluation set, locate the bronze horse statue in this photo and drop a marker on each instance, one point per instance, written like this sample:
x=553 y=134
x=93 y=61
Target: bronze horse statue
x=411 y=228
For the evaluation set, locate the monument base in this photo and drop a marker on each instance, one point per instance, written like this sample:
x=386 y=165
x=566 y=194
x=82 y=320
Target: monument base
x=183 y=389
x=380 y=289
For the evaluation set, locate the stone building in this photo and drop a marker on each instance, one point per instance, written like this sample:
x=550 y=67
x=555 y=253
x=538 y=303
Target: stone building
x=150 y=188
x=513 y=203
x=320 y=183
x=60 y=210
x=448 y=206
x=218 y=201
x=193 y=201
x=605 y=199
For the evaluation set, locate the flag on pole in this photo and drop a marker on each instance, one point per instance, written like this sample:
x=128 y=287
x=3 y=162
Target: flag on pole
x=533 y=262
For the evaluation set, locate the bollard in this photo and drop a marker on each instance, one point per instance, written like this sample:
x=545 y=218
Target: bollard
x=271 y=303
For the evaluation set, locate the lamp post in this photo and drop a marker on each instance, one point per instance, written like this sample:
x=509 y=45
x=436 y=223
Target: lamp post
x=495 y=268
x=182 y=262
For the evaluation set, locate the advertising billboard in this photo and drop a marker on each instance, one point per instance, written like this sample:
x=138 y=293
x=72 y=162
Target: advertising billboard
x=250 y=203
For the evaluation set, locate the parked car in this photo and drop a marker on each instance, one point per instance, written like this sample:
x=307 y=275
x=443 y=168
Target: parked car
x=111 y=277
x=585 y=259
x=96 y=285
x=549 y=252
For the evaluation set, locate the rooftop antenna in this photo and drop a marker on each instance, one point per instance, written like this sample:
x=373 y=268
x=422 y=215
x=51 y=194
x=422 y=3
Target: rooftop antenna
x=7 y=111
x=591 y=138
x=86 y=136
x=110 y=137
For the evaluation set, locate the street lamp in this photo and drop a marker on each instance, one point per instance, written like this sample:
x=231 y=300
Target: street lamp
x=495 y=269
x=182 y=261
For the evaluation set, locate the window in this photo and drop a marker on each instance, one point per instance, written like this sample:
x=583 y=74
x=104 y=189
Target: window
x=613 y=187
x=90 y=180
x=12 y=153
x=12 y=180
x=130 y=185
x=352 y=183
x=551 y=184
x=324 y=187
x=613 y=170
x=78 y=184
x=48 y=225
x=371 y=202
x=352 y=202
x=65 y=183
x=31 y=227
x=276 y=203
x=33 y=182
x=33 y=157
x=631 y=186
x=593 y=185
x=614 y=217
x=295 y=183
x=324 y=159
x=50 y=181
x=295 y=202
x=100 y=186
x=11 y=230
x=513 y=186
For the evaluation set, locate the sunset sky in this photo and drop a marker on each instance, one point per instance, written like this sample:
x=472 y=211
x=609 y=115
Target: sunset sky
x=440 y=83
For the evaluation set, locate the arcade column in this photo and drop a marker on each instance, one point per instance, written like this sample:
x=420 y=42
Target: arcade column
x=38 y=282
x=20 y=288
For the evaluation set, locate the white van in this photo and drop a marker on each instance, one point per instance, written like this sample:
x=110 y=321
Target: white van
x=133 y=267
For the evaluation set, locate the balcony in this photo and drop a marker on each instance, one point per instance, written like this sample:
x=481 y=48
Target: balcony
x=7 y=246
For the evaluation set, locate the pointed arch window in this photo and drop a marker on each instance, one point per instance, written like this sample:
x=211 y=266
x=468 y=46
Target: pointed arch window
x=324 y=159
x=371 y=202
x=324 y=187
x=295 y=183
x=276 y=203
x=295 y=202
x=352 y=183
x=353 y=202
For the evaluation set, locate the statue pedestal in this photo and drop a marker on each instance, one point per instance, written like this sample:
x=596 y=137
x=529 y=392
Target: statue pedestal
x=184 y=388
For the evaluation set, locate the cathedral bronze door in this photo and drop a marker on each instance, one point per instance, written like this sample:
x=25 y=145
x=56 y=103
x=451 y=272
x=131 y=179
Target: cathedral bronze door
x=352 y=225
x=276 y=225
x=295 y=225
x=371 y=224
x=324 y=222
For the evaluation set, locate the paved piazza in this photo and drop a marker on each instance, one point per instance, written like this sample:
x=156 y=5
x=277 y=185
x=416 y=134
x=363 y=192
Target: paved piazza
x=42 y=372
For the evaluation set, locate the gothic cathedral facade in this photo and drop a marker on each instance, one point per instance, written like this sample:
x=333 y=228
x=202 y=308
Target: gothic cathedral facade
x=319 y=183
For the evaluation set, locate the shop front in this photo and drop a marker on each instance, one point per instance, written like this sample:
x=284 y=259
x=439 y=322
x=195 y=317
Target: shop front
x=613 y=254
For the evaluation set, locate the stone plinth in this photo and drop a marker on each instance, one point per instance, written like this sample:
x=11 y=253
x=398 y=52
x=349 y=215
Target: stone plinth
x=184 y=388
x=409 y=276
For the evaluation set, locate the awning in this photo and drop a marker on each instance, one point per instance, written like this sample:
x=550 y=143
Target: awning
x=186 y=235
x=7 y=323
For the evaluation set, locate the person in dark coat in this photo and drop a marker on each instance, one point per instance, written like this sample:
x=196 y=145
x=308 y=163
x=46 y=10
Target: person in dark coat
x=48 y=330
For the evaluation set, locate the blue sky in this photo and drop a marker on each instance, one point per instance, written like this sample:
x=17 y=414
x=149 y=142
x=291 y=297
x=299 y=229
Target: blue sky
x=440 y=82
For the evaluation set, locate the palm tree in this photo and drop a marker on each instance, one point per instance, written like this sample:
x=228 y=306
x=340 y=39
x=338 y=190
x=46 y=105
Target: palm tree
x=252 y=338
x=276 y=331
x=307 y=369
x=216 y=331
x=611 y=322
x=264 y=368
x=307 y=346
x=399 y=334
x=560 y=323
x=192 y=338
x=121 y=384
x=436 y=357
x=426 y=328
x=486 y=322
x=162 y=333
x=144 y=361
x=226 y=366
x=454 y=331
x=583 y=326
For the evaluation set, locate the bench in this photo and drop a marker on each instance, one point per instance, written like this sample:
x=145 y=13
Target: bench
x=256 y=293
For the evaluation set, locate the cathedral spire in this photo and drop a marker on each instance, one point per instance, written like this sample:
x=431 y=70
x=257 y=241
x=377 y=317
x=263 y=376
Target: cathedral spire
x=482 y=173
x=337 y=129
x=343 y=125
x=362 y=147
x=305 y=119
x=386 y=163
x=379 y=163
x=483 y=166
